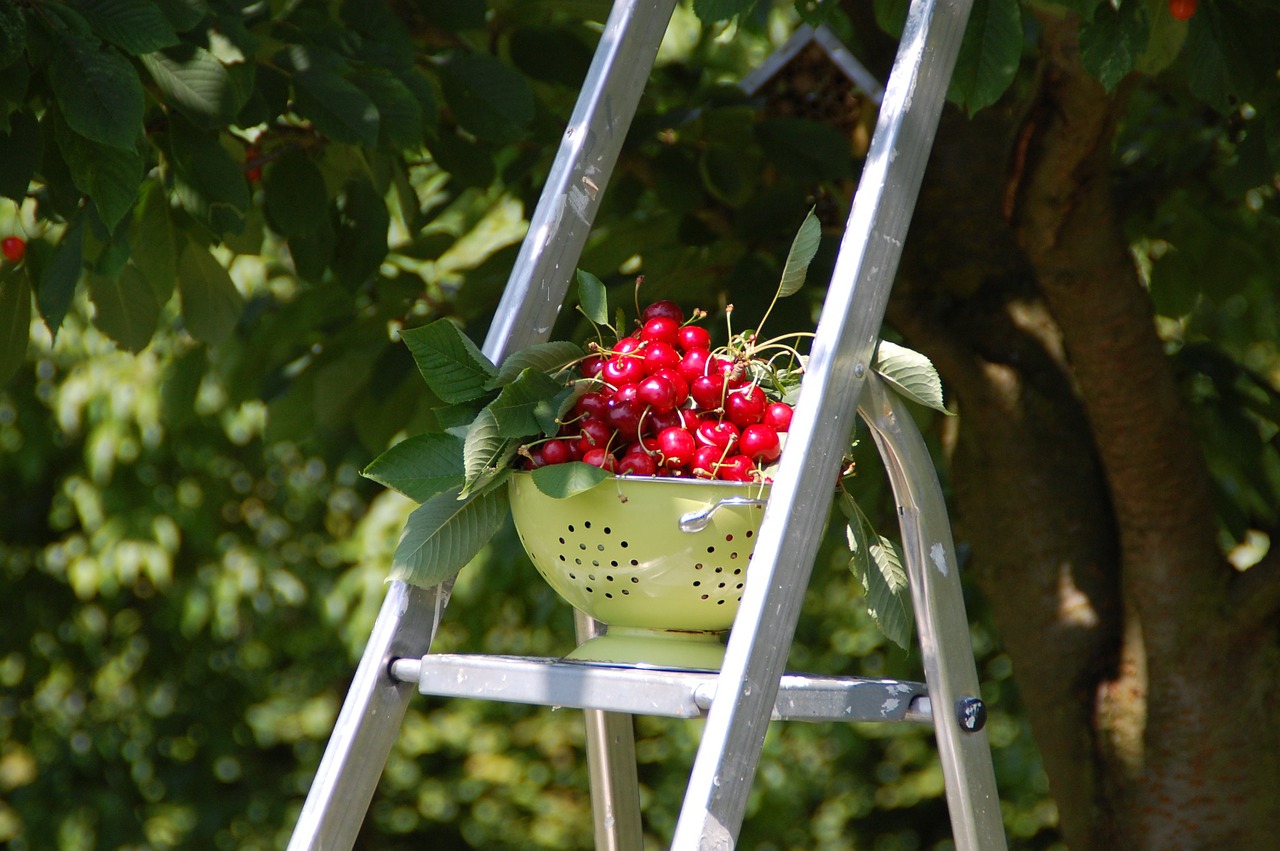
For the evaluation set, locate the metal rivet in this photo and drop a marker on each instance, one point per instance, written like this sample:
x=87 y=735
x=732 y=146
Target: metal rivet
x=971 y=712
x=858 y=370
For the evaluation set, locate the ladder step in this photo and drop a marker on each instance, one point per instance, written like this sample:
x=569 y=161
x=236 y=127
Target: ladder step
x=647 y=691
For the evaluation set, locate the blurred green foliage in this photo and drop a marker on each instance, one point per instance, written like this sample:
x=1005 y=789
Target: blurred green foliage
x=190 y=560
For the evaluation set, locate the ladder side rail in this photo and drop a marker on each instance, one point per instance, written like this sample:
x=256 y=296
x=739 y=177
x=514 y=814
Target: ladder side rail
x=368 y=723
x=943 y=627
x=839 y=363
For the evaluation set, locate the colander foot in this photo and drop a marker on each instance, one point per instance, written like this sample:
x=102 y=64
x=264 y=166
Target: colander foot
x=654 y=648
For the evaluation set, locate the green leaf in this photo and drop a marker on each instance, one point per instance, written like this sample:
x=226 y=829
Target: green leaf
x=337 y=107
x=362 y=224
x=561 y=481
x=13 y=33
x=60 y=275
x=714 y=11
x=134 y=26
x=1111 y=44
x=211 y=304
x=803 y=248
x=444 y=534
x=514 y=409
x=420 y=467
x=592 y=298
x=453 y=367
x=802 y=148
x=1168 y=34
x=183 y=14
x=125 y=308
x=19 y=154
x=888 y=596
x=97 y=91
x=911 y=374
x=192 y=79
x=15 y=319
x=110 y=176
x=399 y=112
x=154 y=251
x=989 y=55
x=489 y=98
x=547 y=358
x=296 y=200
x=209 y=183
x=485 y=452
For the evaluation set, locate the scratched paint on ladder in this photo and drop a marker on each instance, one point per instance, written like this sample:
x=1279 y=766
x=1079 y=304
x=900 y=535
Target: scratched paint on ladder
x=939 y=555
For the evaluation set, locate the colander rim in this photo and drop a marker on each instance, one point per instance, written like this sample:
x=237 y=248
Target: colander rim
x=653 y=481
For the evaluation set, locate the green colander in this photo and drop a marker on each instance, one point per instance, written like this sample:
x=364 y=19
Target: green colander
x=617 y=552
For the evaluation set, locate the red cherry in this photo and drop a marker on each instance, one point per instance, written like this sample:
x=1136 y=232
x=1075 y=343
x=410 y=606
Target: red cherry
x=594 y=405
x=659 y=355
x=627 y=345
x=708 y=391
x=623 y=370
x=693 y=337
x=14 y=248
x=778 y=416
x=694 y=364
x=1182 y=10
x=252 y=168
x=598 y=457
x=706 y=460
x=760 y=443
x=677 y=446
x=591 y=366
x=625 y=417
x=595 y=433
x=721 y=434
x=556 y=452
x=736 y=468
x=636 y=464
x=678 y=381
x=667 y=309
x=745 y=406
x=660 y=329
x=658 y=393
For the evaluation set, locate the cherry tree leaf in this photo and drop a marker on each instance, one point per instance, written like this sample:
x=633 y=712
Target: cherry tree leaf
x=803 y=248
x=443 y=534
x=911 y=374
x=419 y=467
x=454 y=367
x=561 y=481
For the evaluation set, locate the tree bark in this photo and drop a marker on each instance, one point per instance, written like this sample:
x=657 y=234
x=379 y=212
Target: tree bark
x=1147 y=664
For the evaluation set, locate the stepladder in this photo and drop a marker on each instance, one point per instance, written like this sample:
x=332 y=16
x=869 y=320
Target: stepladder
x=751 y=688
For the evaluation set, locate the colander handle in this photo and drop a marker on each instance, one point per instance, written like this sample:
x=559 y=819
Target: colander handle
x=696 y=521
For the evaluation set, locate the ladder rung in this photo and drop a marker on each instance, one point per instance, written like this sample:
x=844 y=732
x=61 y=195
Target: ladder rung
x=647 y=691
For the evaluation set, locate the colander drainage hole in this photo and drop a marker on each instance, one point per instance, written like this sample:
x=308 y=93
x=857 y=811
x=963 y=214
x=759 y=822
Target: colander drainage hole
x=728 y=537
x=570 y=527
x=586 y=525
x=711 y=549
x=698 y=566
x=562 y=540
x=595 y=563
x=608 y=531
x=636 y=580
x=582 y=546
x=635 y=563
x=600 y=548
x=613 y=564
x=696 y=583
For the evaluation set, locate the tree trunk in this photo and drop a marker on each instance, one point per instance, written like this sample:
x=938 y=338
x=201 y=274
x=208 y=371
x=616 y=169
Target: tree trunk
x=1147 y=664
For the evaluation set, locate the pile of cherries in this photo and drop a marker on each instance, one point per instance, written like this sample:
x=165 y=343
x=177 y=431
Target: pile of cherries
x=663 y=404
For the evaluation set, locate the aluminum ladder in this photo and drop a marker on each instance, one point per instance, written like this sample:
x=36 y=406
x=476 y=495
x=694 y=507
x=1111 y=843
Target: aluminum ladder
x=751 y=688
